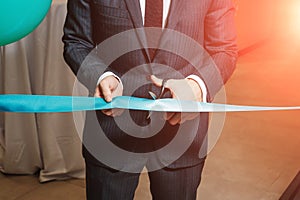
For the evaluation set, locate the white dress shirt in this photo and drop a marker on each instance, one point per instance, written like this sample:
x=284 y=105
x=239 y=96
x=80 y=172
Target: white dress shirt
x=166 y=8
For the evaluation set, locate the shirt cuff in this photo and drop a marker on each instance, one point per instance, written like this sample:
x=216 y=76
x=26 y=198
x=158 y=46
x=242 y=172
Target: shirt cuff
x=201 y=84
x=106 y=74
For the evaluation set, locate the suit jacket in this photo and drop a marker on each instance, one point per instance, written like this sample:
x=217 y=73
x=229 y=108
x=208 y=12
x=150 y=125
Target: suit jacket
x=208 y=23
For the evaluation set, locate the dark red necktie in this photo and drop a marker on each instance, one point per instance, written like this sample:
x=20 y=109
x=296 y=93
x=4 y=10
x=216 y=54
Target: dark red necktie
x=154 y=13
x=153 y=18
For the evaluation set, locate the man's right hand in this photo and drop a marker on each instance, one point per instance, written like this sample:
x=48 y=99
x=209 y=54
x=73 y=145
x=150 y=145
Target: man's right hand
x=109 y=88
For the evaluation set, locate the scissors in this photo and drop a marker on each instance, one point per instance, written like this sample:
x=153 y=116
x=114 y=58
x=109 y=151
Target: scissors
x=162 y=92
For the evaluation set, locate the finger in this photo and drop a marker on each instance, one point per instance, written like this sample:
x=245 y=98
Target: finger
x=156 y=81
x=117 y=91
x=107 y=112
x=185 y=117
x=97 y=92
x=168 y=115
x=188 y=116
x=106 y=92
x=191 y=116
x=117 y=112
x=176 y=119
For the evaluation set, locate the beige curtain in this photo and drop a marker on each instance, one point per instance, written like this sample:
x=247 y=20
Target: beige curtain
x=47 y=143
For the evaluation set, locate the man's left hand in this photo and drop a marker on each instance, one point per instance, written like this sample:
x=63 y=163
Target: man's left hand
x=182 y=89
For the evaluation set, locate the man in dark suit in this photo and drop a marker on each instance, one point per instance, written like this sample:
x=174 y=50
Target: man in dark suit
x=209 y=24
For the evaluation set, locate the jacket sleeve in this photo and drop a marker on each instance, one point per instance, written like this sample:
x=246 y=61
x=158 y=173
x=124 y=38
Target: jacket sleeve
x=79 y=44
x=220 y=43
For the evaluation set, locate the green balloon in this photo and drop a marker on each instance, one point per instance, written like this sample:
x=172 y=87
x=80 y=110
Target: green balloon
x=20 y=17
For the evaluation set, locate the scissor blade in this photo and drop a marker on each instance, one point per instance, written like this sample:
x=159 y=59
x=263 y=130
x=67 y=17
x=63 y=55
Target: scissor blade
x=153 y=95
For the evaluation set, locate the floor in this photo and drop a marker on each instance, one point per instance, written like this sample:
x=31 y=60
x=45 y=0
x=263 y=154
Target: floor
x=257 y=154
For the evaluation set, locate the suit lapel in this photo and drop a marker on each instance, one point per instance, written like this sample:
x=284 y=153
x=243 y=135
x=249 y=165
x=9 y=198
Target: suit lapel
x=133 y=6
x=135 y=13
x=134 y=10
x=175 y=12
x=176 y=8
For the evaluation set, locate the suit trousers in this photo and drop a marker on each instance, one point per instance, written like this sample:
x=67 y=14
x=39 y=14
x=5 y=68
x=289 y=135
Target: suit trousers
x=104 y=183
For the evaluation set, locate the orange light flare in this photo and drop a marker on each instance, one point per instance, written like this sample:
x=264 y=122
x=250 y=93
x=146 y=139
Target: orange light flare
x=290 y=17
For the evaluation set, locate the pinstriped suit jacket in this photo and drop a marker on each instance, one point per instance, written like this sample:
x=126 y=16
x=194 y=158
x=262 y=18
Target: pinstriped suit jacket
x=208 y=22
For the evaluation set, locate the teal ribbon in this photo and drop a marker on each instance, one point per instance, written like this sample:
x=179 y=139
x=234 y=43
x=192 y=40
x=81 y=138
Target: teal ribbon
x=47 y=104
